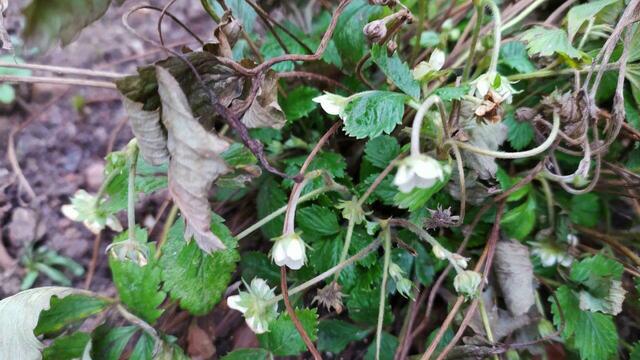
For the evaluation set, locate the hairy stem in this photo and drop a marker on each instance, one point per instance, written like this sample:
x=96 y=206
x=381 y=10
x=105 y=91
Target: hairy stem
x=386 y=235
x=497 y=34
x=131 y=191
x=474 y=41
x=515 y=155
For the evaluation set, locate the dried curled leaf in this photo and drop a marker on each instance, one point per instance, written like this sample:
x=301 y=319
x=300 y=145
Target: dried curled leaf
x=265 y=110
x=19 y=316
x=195 y=161
x=148 y=131
x=515 y=276
x=490 y=137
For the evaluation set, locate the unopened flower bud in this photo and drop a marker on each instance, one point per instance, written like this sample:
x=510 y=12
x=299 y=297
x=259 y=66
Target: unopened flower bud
x=395 y=271
x=467 y=282
x=439 y=252
x=392 y=46
x=545 y=328
x=332 y=104
x=404 y=287
x=375 y=30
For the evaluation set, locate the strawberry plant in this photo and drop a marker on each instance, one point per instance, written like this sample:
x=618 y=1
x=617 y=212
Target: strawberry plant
x=381 y=179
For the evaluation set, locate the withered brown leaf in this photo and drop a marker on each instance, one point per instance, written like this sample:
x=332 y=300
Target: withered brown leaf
x=148 y=131
x=265 y=110
x=195 y=161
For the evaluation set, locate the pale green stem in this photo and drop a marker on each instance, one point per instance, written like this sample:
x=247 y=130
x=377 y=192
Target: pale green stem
x=141 y=324
x=497 y=34
x=265 y=220
x=548 y=194
x=347 y=242
x=549 y=73
x=486 y=323
x=171 y=218
x=290 y=214
x=131 y=192
x=515 y=155
x=309 y=283
x=417 y=123
x=522 y=15
x=383 y=287
x=586 y=33
x=474 y=41
x=103 y=187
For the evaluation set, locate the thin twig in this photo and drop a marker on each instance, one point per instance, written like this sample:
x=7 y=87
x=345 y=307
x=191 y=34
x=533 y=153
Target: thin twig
x=56 y=80
x=64 y=70
x=94 y=260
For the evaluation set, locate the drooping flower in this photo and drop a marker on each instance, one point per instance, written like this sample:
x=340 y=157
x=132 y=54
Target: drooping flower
x=256 y=304
x=440 y=252
x=467 y=283
x=85 y=207
x=459 y=260
x=403 y=284
x=420 y=170
x=551 y=253
x=493 y=81
x=332 y=104
x=289 y=250
x=427 y=70
x=129 y=250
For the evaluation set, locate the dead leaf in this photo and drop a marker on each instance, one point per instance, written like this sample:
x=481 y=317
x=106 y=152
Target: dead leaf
x=195 y=161
x=199 y=343
x=514 y=270
x=5 y=41
x=265 y=110
x=502 y=323
x=148 y=130
x=485 y=136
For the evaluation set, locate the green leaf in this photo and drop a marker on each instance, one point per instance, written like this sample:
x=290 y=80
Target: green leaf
x=50 y=20
x=247 y=354
x=326 y=253
x=506 y=183
x=67 y=311
x=446 y=338
x=255 y=264
x=242 y=11
x=514 y=55
x=67 y=347
x=596 y=266
x=416 y=198
x=298 y=102
x=283 y=339
x=144 y=348
x=520 y=221
x=270 y=198
x=363 y=305
x=317 y=219
x=594 y=334
x=396 y=70
x=191 y=276
x=372 y=113
x=546 y=42
x=109 y=343
x=335 y=335
x=520 y=132
x=381 y=150
x=237 y=155
x=585 y=209
x=138 y=286
x=578 y=14
x=449 y=93
x=635 y=352
x=348 y=36
x=388 y=346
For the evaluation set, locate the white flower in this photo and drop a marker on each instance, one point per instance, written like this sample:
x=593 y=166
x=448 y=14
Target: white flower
x=256 y=305
x=467 y=282
x=427 y=70
x=289 y=250
x=572 y=239
x=420 y=171
x=332 y=104
x=551 y=254
x=492 y=81
x=85 y=208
